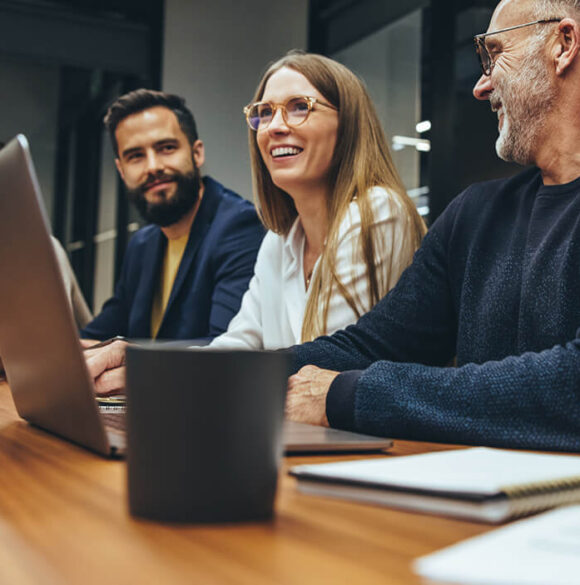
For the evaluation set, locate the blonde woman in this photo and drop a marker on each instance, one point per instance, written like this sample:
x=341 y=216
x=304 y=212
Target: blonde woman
x=342 y=228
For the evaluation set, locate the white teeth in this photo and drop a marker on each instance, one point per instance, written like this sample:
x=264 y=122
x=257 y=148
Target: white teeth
x=285 y=150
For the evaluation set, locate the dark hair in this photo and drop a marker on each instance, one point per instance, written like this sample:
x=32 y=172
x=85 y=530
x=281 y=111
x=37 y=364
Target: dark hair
x=143 y=99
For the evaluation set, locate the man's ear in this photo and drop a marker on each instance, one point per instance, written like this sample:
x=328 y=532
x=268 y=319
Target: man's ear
x=198 y=153
x=567 y=45
x=120 y=168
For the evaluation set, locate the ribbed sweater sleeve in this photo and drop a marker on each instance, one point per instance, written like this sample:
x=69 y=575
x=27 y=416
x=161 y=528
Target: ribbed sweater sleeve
x=529 y=401
x=340 y=400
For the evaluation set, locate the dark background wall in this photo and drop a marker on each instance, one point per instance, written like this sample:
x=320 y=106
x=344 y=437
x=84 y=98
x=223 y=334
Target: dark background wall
x=463 y=130
x=63 y=61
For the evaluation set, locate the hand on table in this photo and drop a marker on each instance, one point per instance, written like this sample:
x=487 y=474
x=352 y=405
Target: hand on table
x=106 y=367
x=87 y=343
x=306 y=398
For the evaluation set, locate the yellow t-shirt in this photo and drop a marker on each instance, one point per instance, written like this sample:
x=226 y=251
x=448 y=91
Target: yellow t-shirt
x=171 y=261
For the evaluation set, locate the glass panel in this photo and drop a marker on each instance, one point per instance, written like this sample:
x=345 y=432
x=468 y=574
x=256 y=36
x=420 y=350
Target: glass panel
x=389 y=62
x=29 y=98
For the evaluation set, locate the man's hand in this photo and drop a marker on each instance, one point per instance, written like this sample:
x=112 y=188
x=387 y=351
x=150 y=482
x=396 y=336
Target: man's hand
x=107 y=368
x=306 y=398
x=86 y=343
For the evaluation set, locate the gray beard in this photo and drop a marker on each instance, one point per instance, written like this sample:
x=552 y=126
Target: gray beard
x=527 y=97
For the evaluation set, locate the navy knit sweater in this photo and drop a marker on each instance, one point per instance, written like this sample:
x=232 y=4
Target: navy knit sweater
x=496 y=284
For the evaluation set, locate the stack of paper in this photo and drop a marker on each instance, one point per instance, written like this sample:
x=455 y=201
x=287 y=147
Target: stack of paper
x=489 y=485
x=544 y=550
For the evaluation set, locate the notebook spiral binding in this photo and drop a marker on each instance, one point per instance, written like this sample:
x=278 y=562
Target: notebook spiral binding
x=535 y=497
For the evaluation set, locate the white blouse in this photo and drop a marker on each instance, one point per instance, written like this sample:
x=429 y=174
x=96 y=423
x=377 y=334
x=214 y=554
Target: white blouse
x=273 y=307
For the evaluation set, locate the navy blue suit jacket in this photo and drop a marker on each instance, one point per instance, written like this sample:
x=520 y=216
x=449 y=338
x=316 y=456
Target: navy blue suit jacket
x=214 y=273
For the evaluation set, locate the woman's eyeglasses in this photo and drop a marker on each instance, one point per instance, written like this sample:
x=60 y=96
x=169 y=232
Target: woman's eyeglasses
x=295 y=111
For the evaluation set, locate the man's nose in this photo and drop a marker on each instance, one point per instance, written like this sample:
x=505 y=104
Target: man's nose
x=154 y=162
x=483 y=88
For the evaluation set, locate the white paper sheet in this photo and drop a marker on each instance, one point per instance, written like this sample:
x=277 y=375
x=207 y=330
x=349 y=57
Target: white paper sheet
x=543 y=550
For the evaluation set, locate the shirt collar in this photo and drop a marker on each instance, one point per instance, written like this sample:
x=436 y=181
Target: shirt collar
x=294 y=247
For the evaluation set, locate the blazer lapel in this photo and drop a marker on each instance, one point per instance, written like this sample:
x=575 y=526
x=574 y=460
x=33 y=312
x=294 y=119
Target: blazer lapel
x=199 y=228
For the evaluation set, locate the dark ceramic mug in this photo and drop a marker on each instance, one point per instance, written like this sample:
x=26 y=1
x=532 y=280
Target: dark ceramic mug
x=204 y=432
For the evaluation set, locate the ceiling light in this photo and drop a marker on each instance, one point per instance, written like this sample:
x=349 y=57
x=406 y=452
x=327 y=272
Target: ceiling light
x=421 y=144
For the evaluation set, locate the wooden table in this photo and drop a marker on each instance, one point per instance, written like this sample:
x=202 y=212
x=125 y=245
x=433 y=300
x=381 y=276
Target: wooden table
x=64 y=520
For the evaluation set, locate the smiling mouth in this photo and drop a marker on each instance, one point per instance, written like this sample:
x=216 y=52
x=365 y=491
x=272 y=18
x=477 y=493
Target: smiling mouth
x=500 y=117
x=165 y=182
x=497 y=106
x=282 y=151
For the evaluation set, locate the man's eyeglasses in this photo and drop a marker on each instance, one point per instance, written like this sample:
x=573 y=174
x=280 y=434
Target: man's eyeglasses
x=295 y=111
x=485 y=59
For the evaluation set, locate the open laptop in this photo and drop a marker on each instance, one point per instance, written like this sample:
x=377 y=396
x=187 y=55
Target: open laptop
x=39 y=342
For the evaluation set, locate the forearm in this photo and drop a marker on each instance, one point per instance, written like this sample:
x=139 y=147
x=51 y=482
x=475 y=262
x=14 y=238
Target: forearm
x=244 y=332
x=110 y=322
x=113 y=318
x=338 y=352
x=415 y=322
x=382 y=334
x=233 y=323
x=530 y=401
x=232 y=280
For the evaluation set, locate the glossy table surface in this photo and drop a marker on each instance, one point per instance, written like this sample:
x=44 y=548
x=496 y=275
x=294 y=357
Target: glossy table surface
x=64 y=520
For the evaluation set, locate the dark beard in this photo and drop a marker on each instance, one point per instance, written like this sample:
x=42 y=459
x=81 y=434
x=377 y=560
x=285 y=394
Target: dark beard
x=168 y=211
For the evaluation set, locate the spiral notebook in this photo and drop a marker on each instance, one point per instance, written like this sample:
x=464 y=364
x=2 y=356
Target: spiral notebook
x=487 y=485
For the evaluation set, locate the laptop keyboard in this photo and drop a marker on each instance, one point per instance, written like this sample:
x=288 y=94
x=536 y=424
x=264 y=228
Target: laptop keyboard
x=113 y=417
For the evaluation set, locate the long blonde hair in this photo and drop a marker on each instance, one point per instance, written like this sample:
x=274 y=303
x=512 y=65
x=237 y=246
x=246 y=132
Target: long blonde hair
x=361 y=161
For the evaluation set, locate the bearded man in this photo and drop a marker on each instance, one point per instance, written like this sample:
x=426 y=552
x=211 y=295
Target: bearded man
x=184 y=275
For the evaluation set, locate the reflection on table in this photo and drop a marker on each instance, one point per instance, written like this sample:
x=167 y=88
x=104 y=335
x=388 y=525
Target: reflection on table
x=64 y=520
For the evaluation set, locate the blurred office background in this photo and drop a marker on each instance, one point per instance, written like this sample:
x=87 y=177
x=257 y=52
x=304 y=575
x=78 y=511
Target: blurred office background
x=63 y=61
